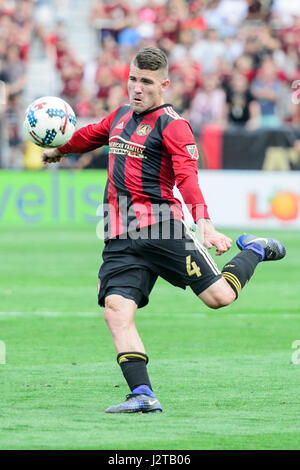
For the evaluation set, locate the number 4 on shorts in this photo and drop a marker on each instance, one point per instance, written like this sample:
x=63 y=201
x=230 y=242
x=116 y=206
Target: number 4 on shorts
x=192 y=267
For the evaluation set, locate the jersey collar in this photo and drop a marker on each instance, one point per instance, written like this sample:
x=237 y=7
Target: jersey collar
x=137 y=115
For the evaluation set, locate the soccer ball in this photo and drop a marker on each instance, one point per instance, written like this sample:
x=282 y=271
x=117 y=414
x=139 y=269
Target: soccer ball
x=49 y=122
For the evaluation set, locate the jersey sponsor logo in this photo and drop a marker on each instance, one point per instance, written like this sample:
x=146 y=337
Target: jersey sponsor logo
x=193 y=151
x=120 y=125
x=120 y=146
x=143 y=129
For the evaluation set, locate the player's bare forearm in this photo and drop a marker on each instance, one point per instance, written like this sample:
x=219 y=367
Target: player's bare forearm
x=211 y=237
x=52 y=155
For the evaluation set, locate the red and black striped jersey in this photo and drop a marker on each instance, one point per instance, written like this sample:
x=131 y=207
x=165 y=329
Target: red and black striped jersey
x=148 y=153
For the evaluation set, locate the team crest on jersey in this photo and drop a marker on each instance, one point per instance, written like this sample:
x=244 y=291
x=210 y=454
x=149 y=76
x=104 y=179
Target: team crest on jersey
x=120 y=125
x=143 y=129
x=193 y=151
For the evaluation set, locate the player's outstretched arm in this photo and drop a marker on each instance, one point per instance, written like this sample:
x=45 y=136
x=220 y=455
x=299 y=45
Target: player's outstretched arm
x=210 y=237
x=52 y=155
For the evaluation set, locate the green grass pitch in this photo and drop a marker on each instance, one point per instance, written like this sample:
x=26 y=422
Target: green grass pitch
x=225 y=378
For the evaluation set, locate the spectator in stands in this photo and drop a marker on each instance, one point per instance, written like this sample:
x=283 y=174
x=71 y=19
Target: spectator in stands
x=15 y=71
x=207 y=50
x=293 y=32
x=180 y=50
x=130 y=36
x=105 y=77
x=245 y=65
x=285 y=11
x=109 y=17
x=44 y=13
x=83 y=108
x=267 y=89
x=233 y=49
x=16 y=27
x=14 y=118
x=208 y=106
x=226 y=15
x=58 y=47
x=179 y=96
x=115 y=97
x=147 y=19
x=89 y=75
x=169 y=19
x=71 y=75
x=259 y=10
x=241 y=107
x=192 y=20
x=24 y=27
x=3 y=74
x=99 y=108
x=55 y=42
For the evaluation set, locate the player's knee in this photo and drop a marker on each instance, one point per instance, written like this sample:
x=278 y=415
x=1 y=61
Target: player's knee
x=221 y=299
x=218 y=295
x=113 y=316
x=116 y=315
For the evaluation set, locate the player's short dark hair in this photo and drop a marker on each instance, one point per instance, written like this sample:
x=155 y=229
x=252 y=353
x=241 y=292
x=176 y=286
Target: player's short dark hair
x=151 y=58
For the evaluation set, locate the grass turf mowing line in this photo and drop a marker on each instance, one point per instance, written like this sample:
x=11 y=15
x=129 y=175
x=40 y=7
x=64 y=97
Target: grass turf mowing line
x=225 y=378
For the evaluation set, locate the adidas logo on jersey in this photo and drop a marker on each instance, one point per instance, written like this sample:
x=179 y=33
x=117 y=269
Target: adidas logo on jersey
x=172 y=113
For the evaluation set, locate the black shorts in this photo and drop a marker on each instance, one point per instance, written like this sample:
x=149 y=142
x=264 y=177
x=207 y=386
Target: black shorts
x=169 y=249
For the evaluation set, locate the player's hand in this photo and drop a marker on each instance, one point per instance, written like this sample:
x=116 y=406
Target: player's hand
x=51 y=155
x=210 y=237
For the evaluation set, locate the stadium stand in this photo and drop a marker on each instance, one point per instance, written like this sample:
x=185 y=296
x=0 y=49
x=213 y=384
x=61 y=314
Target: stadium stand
x=232 y=62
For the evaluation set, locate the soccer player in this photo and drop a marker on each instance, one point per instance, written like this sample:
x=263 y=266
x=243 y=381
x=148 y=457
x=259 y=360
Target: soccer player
x=150 y=149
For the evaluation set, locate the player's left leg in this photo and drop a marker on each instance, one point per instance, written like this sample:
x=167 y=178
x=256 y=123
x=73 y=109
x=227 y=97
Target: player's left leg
x=240 y=269
x=119 y=315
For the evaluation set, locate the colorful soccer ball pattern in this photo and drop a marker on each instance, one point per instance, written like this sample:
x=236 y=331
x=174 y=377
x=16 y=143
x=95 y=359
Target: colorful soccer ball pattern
x=49 y=122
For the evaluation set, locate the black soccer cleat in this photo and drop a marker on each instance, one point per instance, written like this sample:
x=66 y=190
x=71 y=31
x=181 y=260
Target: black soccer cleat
x=137 y=403
x=268 y=248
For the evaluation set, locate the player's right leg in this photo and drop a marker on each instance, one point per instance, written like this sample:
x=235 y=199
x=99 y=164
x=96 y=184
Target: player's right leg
x=119 y=315
x=131 y=356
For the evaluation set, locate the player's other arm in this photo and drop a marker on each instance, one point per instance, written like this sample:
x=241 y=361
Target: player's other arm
x=84 y=140
x=180 y=143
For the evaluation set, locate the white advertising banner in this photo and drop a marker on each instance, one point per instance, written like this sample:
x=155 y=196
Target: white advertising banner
x=252 y=198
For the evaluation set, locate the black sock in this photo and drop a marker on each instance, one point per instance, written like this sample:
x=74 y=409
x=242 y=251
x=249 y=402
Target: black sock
x=134 y=368
x=240 y=269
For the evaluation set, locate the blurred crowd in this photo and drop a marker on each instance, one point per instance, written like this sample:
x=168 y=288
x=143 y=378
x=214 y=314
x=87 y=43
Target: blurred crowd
x=232 y=62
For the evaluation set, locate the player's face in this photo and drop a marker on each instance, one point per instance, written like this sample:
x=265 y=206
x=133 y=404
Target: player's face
x=145 y=88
